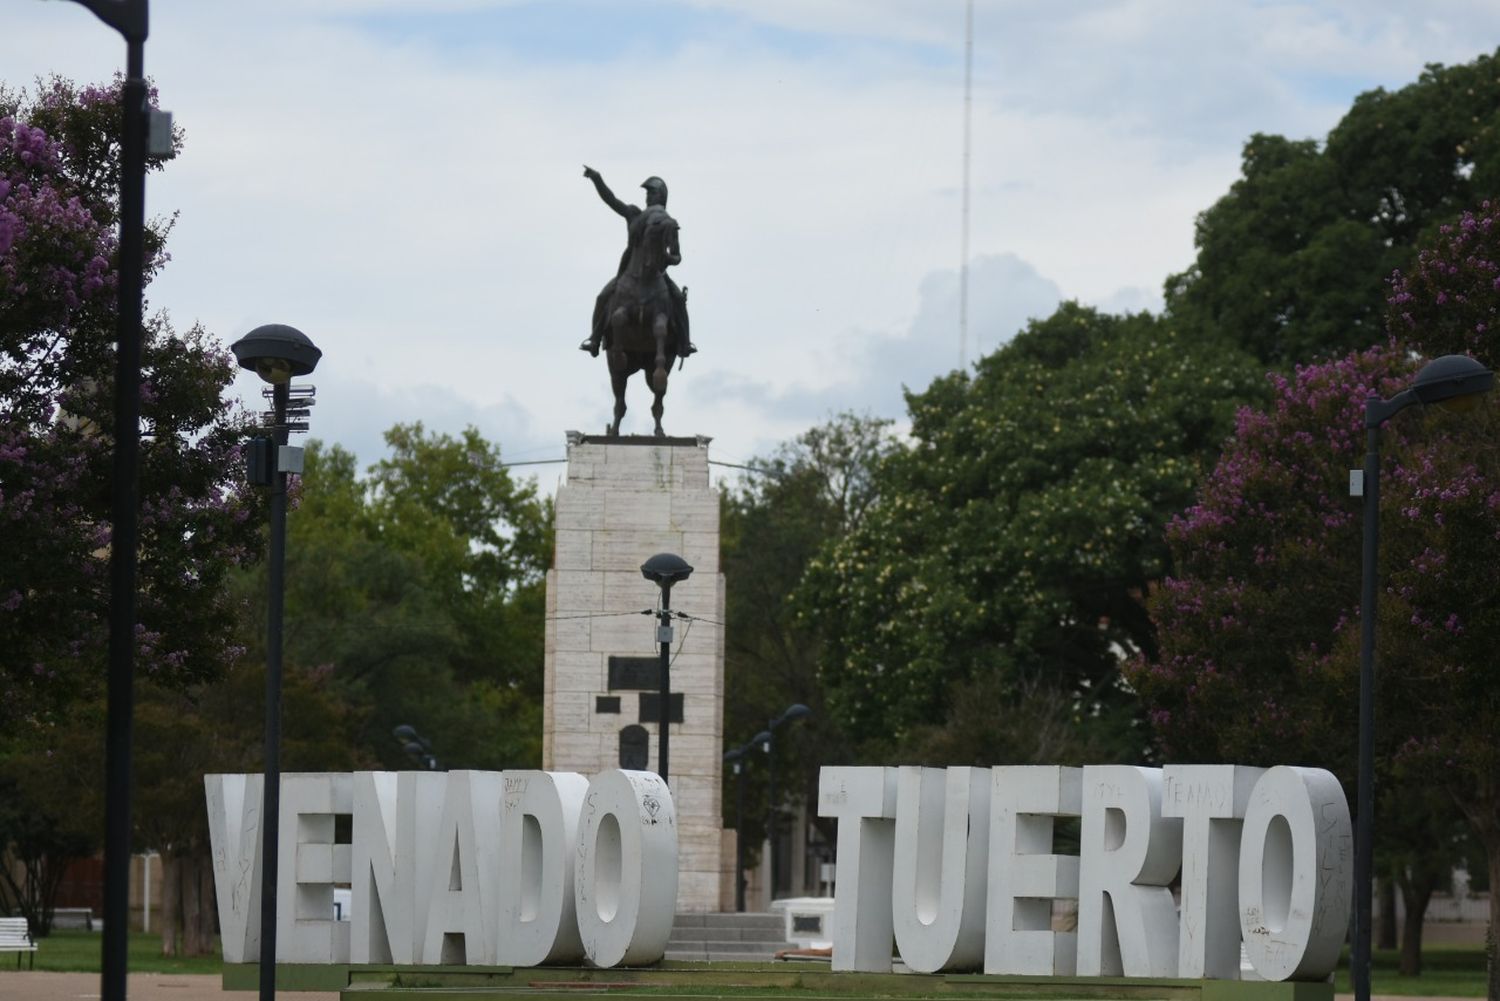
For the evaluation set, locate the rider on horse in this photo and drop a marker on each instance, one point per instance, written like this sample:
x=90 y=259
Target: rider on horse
x=636 y=219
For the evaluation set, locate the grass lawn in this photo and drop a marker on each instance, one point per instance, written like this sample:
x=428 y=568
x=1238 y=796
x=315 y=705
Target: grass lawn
x=76 y=951
x=1450 y=971
x=1454 y=971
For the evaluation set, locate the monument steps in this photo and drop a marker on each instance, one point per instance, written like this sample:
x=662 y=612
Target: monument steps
x=726 y=937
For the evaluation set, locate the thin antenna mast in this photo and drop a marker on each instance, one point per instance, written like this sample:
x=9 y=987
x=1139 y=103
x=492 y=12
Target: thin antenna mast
x=963 y=264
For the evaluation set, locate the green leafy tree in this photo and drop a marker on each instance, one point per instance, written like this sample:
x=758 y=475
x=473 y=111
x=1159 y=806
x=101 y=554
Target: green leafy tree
x=51 y=808
x=1004 y=566
x=183 y=734
x=420 y=589
x=812 y=491
x=1291 y=262
x=407 y=602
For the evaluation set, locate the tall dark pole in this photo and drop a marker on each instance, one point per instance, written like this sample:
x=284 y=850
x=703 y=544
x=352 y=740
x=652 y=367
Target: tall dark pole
x=1364 y=835
x=271 y=802
x=739 y=836
x=771 y=808
x=124 y=529
x=664 y=634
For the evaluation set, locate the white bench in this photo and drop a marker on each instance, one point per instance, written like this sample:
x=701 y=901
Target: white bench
x=14 y=937
x=73 y=917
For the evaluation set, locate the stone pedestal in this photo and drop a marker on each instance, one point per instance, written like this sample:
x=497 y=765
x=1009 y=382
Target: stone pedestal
x=626 y=499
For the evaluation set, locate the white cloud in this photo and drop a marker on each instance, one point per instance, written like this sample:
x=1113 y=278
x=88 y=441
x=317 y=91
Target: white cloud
x=417 y=207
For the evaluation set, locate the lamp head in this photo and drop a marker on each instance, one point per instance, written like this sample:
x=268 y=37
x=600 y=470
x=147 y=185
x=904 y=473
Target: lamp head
x=794 y=711
x=1451 y=377
x=276 y=353
x=666 y=569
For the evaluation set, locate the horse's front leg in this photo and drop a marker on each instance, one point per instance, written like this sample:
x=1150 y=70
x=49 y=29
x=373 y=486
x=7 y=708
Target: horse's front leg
x=659 y=376
x=619 y=371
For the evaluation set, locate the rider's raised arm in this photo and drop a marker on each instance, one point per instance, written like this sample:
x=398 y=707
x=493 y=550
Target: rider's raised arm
x=605 y=194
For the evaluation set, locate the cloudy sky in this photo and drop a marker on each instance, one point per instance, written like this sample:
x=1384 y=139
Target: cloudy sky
x=402 y=180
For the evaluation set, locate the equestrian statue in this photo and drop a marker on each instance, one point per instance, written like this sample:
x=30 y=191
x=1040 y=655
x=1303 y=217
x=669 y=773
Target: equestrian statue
x=640 y=317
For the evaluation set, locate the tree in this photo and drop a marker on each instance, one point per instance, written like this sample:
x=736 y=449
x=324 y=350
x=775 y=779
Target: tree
x=1258 y=626
x=420 y=590
x=59 y=173
x=1259 y=639
x=1445 y=699
x=405 y=603
x=51 y=809
x=1011 y=545
x=183 y=734
x=1291 y=261
x=1266 y=579
x=813 y=490
x=57 y=280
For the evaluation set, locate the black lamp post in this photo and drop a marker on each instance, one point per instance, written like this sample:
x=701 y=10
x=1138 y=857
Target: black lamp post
x=795 y=711
x=737 y=758
x=276 y=353
x=131 y=18
x=416 y=746
x=1445 y=379
x=664 y=570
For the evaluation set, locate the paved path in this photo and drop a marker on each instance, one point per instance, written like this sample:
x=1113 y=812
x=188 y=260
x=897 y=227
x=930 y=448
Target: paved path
x=28 y=986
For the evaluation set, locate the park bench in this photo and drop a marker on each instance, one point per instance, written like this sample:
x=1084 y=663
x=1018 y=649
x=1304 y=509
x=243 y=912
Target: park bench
x=14 y=937
x=73 y=917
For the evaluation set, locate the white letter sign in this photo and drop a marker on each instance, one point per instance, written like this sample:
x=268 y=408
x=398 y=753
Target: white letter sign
x=1127 y=924
x=234 y=834
x=864 y=801
x=539 y=824
x=395 y=823
x=626 y=880
x=1025 y=876
x=1211 y=801
x=942 y=846
x=1294 y=873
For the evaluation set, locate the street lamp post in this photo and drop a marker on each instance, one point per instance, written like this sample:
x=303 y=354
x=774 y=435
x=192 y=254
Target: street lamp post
x=131 y=18
x=1445 y=379
x=737 y=758
x=795 y=711
x=664 y=570
x=276 y=353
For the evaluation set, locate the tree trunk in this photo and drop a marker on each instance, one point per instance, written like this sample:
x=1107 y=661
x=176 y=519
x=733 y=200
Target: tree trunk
x=197 y=905
x=171 y=893
x=1491 y=837
x=1385 y=928
x=1416 y=892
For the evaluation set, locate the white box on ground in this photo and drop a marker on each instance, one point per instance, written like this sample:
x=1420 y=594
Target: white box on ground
x=808 y=921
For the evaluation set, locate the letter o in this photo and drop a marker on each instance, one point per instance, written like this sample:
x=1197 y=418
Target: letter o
x=1295 y=879
x=625 y=883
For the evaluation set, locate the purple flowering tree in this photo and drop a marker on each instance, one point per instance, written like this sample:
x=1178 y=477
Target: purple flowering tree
x=1443 y=698
x=1266 y=581
x=58 y=218
x=1259 y=625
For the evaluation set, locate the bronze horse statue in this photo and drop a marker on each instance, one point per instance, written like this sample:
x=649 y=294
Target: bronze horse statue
x=640 y=315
